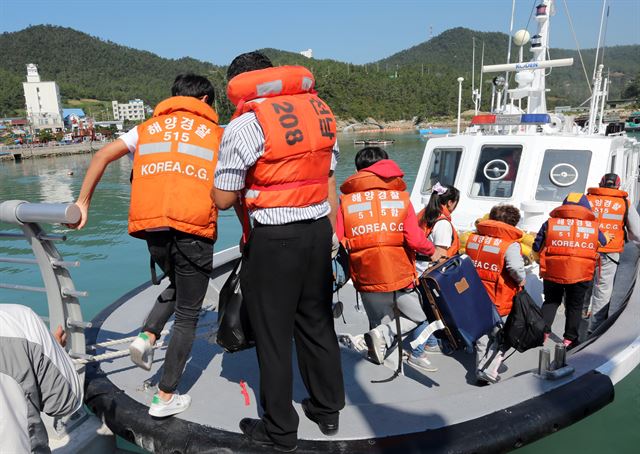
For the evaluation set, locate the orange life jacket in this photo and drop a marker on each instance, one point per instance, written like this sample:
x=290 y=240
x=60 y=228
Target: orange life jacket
x=487 y=249
x=299 y=130
x=374 y=210
x=173 y=169
x=610 y=208
x=571 y=245
x=444 y=216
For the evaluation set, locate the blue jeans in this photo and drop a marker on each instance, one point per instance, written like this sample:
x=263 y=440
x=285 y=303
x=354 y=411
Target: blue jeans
x=432 y=341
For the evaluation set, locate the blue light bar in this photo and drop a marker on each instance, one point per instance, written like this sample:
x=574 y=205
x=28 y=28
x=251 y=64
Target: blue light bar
x=537 y=119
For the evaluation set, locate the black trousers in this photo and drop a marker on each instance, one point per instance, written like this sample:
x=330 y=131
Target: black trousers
x=186 y=259
x=574 y=295
x=286 y=281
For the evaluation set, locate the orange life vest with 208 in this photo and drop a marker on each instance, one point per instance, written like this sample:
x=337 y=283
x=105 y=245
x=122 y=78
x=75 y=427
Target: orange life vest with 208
x=610 y=208
x=487 y=249
x=374 y=215
x=444 y=216
x=571 y=245
x=173 y=169
x=299 y=130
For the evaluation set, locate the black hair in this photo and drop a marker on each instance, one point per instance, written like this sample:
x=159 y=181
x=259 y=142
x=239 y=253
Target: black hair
x=433 y=209
x=250 y=61
x=192 y=85
x=368 y=156
x=505 y=213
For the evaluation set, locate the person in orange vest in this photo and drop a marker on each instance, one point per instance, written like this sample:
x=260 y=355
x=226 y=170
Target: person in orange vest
x=379 y=227
x=435 y=221
x=496 y=254
x=618 y=219
x=174 y=157
x=280 y=151
x=568 y=246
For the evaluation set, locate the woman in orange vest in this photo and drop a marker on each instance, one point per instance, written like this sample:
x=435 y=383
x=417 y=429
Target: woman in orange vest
x=378 y=225
x=174 y=157
x=568 y=246
x=611 y=208
x=496 y=254
x=435 y=220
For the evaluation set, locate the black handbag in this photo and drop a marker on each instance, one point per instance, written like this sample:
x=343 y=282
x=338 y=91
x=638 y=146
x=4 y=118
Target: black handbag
x=234 y=330
x=525 y=326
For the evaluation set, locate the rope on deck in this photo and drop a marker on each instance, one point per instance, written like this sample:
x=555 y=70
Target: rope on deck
x=124 y=340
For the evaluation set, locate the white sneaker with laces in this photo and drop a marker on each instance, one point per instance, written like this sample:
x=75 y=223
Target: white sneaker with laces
x=161 y=408
x=141 y=351
x=376 y=345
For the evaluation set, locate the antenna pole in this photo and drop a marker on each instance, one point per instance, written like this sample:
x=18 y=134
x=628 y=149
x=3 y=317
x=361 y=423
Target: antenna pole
x=460 y=80
x=506 y=74
x=595 y=65
x=480 y=86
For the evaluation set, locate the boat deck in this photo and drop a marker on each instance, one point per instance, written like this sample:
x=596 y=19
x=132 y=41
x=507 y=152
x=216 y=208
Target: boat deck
x=411 y=403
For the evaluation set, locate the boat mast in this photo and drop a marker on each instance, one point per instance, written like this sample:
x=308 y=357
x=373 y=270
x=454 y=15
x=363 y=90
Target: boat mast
x=539 y=45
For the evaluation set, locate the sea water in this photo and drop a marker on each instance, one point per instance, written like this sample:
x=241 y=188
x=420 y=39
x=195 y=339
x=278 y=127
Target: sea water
x=112 y=263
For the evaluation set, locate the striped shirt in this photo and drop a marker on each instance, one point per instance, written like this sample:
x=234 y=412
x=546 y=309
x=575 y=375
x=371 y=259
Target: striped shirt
x=242 y=145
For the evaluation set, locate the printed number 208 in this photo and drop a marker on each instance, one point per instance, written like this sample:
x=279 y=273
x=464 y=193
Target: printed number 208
x=288 y=120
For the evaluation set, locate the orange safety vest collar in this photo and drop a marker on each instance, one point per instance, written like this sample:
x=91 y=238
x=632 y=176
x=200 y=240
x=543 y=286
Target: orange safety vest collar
x=374 y=210
x=173 y=169
x=571 y=244
x=487 y=250
x=444 y=215
x=610 y=207
x=299 y=130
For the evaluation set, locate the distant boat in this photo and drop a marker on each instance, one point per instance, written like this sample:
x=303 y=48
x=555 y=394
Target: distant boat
x=373 y=141
x=633 y=122
x=433 y=131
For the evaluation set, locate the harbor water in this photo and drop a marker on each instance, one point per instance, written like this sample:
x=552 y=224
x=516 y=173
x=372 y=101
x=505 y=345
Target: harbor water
x=112 y=263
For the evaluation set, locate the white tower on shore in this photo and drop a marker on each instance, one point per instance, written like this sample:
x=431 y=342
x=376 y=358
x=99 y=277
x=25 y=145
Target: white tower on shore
x=43 y=102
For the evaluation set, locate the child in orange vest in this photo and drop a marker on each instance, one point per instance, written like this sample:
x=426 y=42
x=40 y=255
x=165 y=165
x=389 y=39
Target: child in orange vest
x=497 y=256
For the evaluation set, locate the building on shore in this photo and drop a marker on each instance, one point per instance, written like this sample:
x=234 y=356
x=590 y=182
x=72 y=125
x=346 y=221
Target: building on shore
x=43 y=102
x=133 y=110
x=307 y=53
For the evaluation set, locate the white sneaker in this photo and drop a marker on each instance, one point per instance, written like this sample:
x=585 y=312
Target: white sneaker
x=162 y=408
x=422 y=362
x=141 y=351
x=376 y=345
x=356 y=342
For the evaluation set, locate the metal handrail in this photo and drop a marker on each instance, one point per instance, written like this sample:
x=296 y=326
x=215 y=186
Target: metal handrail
x=62 y=296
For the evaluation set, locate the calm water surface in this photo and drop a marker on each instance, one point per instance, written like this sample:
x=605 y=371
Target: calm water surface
x=113 y=262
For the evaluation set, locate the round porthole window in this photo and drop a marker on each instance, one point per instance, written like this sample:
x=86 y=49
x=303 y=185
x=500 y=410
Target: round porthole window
x=563 y=175
x=495 y=169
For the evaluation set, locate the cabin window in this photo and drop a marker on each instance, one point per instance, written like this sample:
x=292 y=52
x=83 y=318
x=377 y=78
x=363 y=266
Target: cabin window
x=497 y=170
x=563 y=171
x=443 y=167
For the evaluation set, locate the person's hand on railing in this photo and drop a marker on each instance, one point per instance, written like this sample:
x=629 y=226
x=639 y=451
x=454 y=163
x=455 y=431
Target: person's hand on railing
x=60 y=336
x=84 y=215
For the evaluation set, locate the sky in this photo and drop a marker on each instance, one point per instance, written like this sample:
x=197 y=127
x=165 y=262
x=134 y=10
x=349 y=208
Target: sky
x=355 y=31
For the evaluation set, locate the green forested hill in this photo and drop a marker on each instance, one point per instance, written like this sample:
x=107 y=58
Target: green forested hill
x=416 y=82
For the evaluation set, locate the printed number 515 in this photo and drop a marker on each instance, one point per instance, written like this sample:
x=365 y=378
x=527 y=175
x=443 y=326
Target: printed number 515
x=177 y=136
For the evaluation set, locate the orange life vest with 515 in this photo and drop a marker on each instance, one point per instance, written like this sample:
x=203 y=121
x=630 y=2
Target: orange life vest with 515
x=444 y=216
x=610 y=208
x=487 y=249
x=570 y=253
x=299 y=130
x=374 y=210
x=173 y=168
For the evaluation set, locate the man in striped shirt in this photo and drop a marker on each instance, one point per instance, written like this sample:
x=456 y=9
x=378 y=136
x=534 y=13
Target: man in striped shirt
x=286 y=270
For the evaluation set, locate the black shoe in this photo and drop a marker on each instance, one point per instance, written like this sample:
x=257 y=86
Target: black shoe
x=326 y=428
x=255 y=431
